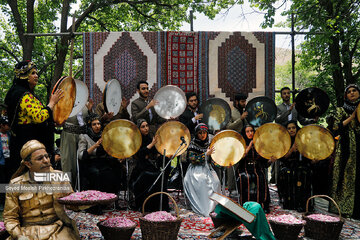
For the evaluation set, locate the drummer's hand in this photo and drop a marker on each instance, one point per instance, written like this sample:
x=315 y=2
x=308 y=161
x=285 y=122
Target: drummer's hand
x=108 y=116
x=55 y=98
x=151 y=104
x=292 y=106
x=153 y=142
x=210 y=151
x=90 y=104
x=272 y=159
x=244 y=115
x=98 y=143
x=199 y=116
x=124 y=102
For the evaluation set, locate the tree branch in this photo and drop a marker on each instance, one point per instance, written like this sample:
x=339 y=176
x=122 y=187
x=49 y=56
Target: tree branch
x=99 y=22
x=18 y=22
x=10 y=53
x=353 y=50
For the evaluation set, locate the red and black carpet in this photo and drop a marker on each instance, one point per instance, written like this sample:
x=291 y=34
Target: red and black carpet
x=194 y=226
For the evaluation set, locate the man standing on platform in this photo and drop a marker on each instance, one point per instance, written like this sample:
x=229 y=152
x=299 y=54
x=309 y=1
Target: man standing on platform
x=237 y=122
x=143 y=108
x=191 y=117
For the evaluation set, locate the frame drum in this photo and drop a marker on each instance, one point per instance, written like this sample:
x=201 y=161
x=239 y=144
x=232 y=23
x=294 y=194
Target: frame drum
x=171 y=102
x=312 y=102
x=63 y=108
x=216 y=112
x=82 y=95
x=272 y=139
x=229 y=148
x=112 y=96
x=261 y=110
x=121 y=138
x=358 y=112
x=169 y=135
x=315 y=142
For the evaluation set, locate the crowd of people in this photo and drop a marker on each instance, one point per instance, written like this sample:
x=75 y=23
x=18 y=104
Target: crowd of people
x=27 y=145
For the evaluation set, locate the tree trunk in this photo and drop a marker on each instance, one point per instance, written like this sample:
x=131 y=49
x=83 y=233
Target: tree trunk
x=334 y=50
x=61 y=57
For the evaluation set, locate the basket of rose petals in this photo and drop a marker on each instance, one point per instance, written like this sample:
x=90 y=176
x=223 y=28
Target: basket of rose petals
x=89 y=197
x=321 y=226
x=286 y=226
x=116 y=228
x=160 y=225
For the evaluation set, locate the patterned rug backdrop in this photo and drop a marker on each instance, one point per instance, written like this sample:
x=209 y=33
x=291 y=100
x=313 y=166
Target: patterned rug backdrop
x=212 y=64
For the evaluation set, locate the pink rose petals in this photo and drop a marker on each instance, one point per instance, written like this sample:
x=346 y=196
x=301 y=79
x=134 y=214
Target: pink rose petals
x=323 y=218
x=90 y=195
x=287 y=219
x=213 y=214
x=160 y=216
x=118 y=222
x=2 y=226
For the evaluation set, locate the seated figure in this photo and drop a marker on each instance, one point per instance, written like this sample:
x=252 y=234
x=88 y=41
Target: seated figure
x=36 y=215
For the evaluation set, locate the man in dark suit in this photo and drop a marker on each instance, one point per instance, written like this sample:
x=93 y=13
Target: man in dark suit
x=286 y=111
x=143 y=108
x=190 y=117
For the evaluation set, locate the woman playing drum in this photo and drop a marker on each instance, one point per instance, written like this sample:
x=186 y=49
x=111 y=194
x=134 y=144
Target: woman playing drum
x=253 y=184
x=29 y=118
x=294 y=185
x=346 y=173
x=200 y=180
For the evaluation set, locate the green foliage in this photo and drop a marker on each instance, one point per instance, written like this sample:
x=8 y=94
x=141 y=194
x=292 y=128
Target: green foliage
x=332 y=46
x=98 y=16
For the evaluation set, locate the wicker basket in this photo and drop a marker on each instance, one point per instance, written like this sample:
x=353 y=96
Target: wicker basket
x=116 y=233
x=166 y=230
x=315 y=229
x=284 y=231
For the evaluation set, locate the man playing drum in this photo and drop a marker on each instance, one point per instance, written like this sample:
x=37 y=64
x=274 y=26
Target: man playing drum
x=237 y=122
x=191 y=116
x=143 y=108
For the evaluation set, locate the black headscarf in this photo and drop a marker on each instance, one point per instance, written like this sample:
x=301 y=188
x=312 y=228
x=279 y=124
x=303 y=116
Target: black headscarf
x=350 y=106
x=89 y=119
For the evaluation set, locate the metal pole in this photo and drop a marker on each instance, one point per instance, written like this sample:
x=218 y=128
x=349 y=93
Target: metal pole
x=162 y=181
x=293 y=55
x=52 y=34
x=191 y=21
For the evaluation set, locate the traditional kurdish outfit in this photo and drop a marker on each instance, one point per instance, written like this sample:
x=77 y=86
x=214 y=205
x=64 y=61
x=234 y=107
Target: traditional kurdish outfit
x=295 y=181
x=200 y=180
x=253 y=183
x=36 y=215
x=346 y=172
x=28 y=117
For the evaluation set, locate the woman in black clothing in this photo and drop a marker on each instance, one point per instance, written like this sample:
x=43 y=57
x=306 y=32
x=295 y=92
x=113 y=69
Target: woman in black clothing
x=99 y=170
x=295 y=176
x=253 y=184
x=147 y=169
